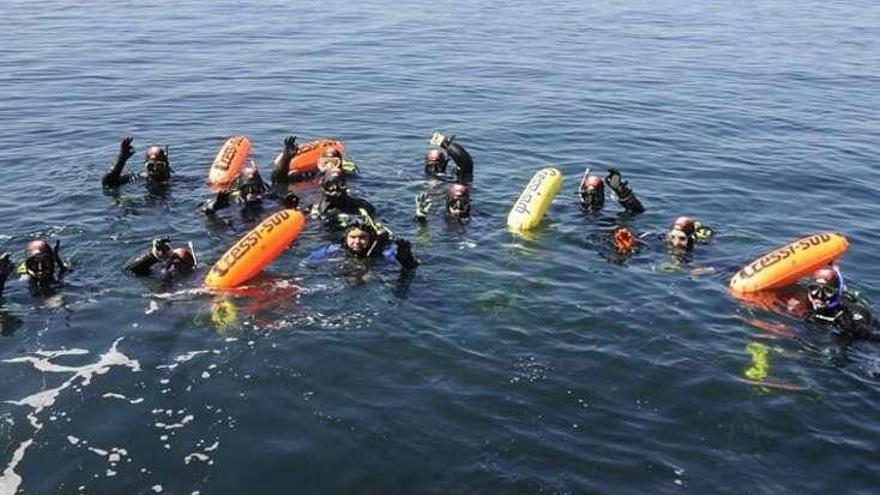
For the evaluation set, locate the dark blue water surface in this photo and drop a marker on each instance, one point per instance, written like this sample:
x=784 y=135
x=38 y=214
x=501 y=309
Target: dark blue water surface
x=509 y=365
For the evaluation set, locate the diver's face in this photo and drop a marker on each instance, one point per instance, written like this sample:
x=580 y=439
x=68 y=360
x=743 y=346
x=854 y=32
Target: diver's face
x=458 y=207
x=592 y=199
x=158 y=170
x=677 y=240
x=435 y=167
x=329 y=164
x=821 y=296
x=40 y=268
x=357 y=241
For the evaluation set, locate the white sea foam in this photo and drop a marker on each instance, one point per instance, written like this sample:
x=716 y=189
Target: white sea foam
x=82 y=377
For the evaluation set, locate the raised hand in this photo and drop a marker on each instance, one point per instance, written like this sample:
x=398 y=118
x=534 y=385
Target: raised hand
x=423 y=205
x=616 y=183
x=160 y=247
x=126 y=150
x=290 y=145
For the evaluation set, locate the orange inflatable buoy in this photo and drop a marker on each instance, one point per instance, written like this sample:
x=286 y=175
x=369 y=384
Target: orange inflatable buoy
x=784 y=266
x=229 y=162
x=253 y=252
x=308 y=154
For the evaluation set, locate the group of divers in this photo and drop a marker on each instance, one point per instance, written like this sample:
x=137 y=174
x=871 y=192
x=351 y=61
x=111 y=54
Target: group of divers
x=828 y=300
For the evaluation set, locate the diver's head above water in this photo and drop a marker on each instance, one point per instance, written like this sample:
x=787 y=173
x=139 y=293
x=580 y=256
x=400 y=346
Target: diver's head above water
x=435 y=161
x=359 y=239
x=458 y=201
x=156 y=164
x=331 y=160
x=681 y=236
x=825 y=291
x=592 y=193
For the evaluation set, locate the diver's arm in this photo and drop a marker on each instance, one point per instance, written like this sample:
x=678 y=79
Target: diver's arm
x=5 y=270
x=631 y=203
x=141 y=265
x=401 y=251
x=625 y=196
x=114 y=177
x=281 y=167
x=219 y=202
x=463 y=161
x=159 y=249
x=322 y=254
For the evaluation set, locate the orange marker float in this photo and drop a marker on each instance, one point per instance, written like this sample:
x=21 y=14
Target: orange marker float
x=309 y=153
x=784 y=266
x=257 y=249
x=229 y=161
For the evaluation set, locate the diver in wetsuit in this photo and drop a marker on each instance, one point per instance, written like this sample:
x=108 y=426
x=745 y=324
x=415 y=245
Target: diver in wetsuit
x=248 y=193
x=830 y=303
x=591 y=197
x=331 y=159
x=591 y=193
x=365 y=242
x=436 y=159
x=680 y=240
x=43 y=267
x=458 y=205
x=337 y=205
x=177 y=261
x=685 y=233
x=157 y=170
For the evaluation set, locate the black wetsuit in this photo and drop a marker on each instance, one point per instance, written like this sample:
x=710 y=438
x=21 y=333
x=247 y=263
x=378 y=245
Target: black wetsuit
x=38 y=287
x=625 y=196
x=115 y=178
x=463 y=171
x=631 y=203
x=142 y=266
x=248 y=193
x=851 y=320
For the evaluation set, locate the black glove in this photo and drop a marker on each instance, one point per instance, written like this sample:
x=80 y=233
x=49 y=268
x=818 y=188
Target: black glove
x=441 y=141
x=290 y=145
x=126 y=150
x=617 y=184
x=404 y=254
x=160 y=248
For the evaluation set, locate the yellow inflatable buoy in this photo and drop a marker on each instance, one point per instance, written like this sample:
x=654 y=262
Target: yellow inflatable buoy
x=533 y=203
